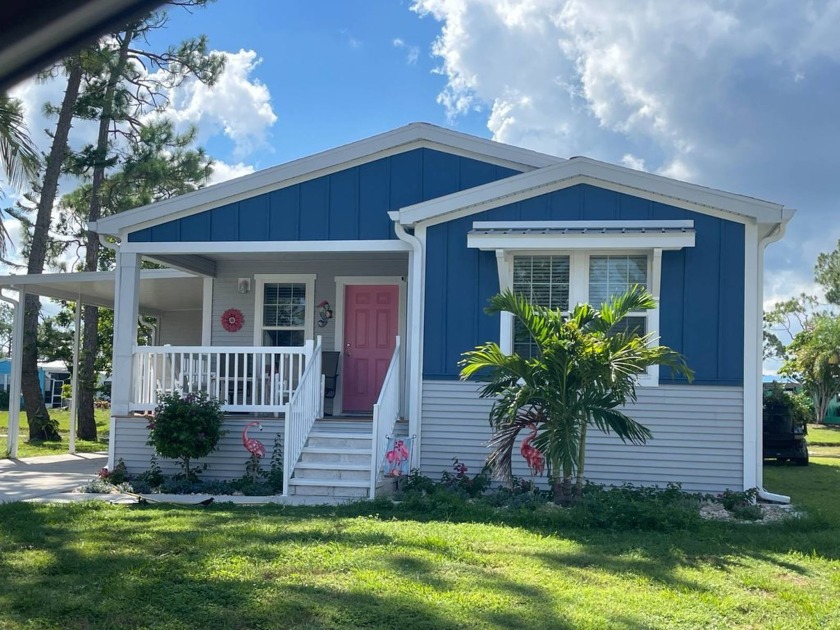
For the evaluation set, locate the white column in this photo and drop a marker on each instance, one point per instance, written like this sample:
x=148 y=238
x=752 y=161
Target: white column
x=207 y=312
x=504 y=265
x=74 y=381
x=126 y=302
x=14 y=383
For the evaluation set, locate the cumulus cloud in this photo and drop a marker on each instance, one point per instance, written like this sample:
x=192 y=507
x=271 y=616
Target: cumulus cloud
x=222 y=171
x=238 y=105
x=732 y=95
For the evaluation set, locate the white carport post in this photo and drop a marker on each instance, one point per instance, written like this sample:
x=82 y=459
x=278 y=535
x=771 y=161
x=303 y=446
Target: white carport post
x=74 y=379
x=126 y=307
x=14 y=384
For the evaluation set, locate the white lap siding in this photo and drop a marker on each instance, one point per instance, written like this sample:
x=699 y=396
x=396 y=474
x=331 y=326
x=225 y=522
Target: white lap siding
x=228 y=462
x=697 y=437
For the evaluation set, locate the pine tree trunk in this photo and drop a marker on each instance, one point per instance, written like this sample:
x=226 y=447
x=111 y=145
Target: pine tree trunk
x=33 y=397
x=87 y=369
x=87 y=376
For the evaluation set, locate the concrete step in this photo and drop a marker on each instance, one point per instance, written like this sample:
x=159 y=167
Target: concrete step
x=347 y=488
x=335 y=455
x=332 y=472
x=339 y=440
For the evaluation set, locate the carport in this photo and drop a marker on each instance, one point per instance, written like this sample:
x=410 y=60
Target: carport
x=160 y=290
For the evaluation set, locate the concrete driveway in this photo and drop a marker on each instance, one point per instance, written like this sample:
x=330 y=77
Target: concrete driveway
x=33 y=477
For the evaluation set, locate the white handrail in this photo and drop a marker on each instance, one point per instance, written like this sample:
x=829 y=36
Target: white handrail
x=243 y=378
x=304 y=409
x=386 y=412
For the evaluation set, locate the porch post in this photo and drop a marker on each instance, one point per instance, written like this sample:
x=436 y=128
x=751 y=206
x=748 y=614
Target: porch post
x=126 y=306
x=74 y=379
x=14 y=381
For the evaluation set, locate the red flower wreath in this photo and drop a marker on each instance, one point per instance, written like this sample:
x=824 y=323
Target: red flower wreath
x=232 y=320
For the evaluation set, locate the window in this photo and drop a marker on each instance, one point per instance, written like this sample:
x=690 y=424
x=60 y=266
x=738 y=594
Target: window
x=563 y=263
x=558 y=281
x=610 y=276
x=284 y=310
x=284 y=314
x=544 y=280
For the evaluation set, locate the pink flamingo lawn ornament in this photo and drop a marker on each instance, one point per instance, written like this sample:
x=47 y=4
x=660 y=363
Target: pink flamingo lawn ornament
x=253 y=446
x=534 y=459
x=395 y=457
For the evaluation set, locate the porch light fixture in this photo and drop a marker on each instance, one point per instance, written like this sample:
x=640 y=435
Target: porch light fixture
x=244 y=285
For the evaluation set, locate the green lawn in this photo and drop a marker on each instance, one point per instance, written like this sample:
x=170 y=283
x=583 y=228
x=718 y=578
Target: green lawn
x=385 y=566
x=25 y=449
x=823 y=435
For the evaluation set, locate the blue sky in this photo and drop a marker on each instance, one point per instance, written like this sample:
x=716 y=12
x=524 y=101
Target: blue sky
x=739 y=96
x=332 y=68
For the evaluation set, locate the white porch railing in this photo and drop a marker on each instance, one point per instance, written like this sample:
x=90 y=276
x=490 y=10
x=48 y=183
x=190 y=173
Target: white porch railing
x=243 y=378
x=305 y=406
x=386 y=412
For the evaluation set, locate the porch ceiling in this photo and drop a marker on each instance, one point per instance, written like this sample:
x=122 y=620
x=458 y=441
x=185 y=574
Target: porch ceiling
x=160 y=289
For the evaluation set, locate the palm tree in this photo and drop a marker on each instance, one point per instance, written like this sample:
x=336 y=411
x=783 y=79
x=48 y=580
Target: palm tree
x=18 y=156
x=585 y=368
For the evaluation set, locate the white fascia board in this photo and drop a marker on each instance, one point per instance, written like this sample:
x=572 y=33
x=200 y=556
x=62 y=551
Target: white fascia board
x=35 y=279
x=586 y=171
x=415 y=135
x=258 y=247
x=548 y=242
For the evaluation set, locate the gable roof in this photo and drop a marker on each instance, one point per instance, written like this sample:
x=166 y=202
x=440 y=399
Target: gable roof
x=582 y=170
x=412 y=136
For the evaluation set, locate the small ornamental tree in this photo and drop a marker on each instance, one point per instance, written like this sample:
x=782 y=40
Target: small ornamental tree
x=584 y=373
x=186 y=427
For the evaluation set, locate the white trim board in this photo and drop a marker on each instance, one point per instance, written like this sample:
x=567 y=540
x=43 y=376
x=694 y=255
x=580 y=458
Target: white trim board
x=257 y=247
x=586 y=171
x=666 y=241
x=414 y=135
x=341 y=284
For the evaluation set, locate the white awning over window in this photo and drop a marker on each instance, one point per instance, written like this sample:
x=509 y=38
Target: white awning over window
x=589 y=235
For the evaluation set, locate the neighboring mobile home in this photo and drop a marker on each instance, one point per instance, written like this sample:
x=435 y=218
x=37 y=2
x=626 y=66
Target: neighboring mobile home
x=387 y=250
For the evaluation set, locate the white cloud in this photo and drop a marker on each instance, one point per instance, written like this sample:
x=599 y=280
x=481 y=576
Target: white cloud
x=632 y=161
x=732 y=95
x=412 y=52
x=237 y=105
x=222 y=171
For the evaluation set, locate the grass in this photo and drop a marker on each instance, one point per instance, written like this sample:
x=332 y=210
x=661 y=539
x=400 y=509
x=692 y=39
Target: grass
x=823 y=435
x=380 y=565
x=27 y=449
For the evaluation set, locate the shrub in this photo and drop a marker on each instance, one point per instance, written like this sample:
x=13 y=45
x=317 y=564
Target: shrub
x=275 y=469
x=185 y=428
x=742 y=504
x=116 y=476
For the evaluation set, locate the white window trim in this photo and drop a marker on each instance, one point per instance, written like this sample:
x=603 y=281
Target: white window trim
x=579 y=289
x=261 y=279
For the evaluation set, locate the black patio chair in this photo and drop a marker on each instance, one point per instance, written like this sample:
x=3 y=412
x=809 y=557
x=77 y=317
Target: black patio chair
x=329 y=368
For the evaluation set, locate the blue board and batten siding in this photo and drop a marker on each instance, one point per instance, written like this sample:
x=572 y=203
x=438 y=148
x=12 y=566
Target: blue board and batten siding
x=702 y=288
x=351 y=204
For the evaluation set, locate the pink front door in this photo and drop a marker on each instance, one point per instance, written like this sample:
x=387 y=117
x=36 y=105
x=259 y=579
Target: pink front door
x=370 y=331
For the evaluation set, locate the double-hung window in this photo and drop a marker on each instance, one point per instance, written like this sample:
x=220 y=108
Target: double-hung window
x=546 y=280
x=284 y=309
x=561 y=264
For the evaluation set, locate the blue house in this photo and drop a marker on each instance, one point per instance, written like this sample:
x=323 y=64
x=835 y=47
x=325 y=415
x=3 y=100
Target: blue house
x=384 y=252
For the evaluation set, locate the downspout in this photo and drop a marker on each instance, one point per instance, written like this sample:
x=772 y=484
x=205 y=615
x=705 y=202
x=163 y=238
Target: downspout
x=414 y=331
x=776 y=234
